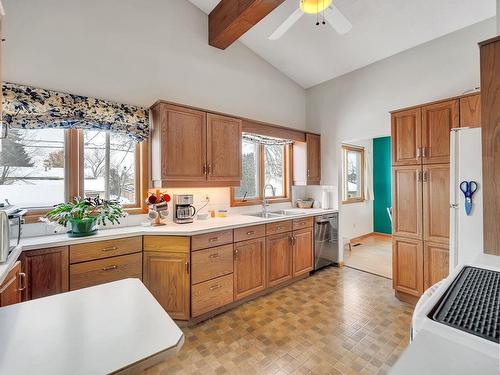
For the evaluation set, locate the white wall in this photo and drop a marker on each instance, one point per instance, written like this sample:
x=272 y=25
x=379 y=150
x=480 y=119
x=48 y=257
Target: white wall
x=357 y=218
x=138 y=51
x=357 y=105
x=498 y=17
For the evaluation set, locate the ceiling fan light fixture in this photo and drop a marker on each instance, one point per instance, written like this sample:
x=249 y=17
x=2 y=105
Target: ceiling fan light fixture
x=314 y=6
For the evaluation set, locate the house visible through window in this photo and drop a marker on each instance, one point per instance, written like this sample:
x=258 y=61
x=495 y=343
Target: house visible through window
x=353 y=174
x=32 y=167
x=263 y=165
x=110 y=166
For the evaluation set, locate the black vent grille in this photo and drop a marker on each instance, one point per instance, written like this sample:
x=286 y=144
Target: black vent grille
x=472 y=304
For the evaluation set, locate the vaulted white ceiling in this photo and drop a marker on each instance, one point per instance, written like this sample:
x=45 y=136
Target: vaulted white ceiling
x=311 y=54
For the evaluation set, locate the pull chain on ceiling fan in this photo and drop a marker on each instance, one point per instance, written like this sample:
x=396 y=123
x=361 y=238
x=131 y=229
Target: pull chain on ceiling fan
x=329 y=12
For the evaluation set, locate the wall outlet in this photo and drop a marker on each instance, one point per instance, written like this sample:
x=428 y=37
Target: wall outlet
x=207 y=197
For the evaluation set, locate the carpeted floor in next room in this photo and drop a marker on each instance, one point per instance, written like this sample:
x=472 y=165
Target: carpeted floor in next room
x=339 y=321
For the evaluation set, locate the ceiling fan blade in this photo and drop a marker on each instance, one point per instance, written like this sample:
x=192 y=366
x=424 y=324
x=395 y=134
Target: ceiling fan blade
x=337 y=20
x=289 y=22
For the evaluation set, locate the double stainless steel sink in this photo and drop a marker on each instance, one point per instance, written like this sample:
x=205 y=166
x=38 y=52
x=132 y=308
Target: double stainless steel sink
x=275 y=214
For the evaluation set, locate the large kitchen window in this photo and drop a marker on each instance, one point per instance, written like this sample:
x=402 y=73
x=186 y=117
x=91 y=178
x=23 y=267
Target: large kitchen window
x=353 y=174
x=40 y=168
x=32 y=167
x=265 y=173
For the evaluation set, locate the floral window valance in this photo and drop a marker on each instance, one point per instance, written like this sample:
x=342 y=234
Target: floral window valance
x=34 y=108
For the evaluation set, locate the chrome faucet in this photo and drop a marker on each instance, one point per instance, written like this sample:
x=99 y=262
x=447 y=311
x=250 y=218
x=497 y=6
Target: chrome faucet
x=265 y=202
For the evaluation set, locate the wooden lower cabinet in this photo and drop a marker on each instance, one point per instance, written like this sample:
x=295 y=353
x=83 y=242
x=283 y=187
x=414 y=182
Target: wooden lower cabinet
x=166 y=275
x=249 y=267
x=279 y=258
x=302 y=251
x=408 y=265
x=11 y=288
x=46 y=272
x=436 y=263
x=407 y=201
x=211 y=294
x=100 y=271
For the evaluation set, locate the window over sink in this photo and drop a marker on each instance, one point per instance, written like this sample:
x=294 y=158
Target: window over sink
x=265 y=163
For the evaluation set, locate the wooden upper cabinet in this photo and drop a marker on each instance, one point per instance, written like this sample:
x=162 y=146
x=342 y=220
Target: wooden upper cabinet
x=223 y=148
x=436 y=263
x=407 y=201
x=313 y=144
x=249 y=267
x=437 y=121
x=183 y=143
x=302 y=251
x=166 y=275
x=436 y=203
x=279 y=258
x=408 y=265
x=406 y=137
x=470 y=111
x=46 y=271
x=11 y=288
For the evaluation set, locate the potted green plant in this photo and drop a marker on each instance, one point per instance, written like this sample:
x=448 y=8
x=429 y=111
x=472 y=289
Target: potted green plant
x=85 y=214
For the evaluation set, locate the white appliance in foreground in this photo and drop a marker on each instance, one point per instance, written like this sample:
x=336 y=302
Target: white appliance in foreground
x=466 y=231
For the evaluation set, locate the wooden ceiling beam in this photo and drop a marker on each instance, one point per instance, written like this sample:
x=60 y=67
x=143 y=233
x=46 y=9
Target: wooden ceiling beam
x=230 y=19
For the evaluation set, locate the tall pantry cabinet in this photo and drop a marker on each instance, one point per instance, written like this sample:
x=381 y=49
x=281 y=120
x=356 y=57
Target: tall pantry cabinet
x=420 y=190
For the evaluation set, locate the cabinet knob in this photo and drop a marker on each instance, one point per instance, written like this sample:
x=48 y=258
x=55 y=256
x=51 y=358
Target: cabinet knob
x=215 y=255
x=111 y=248
x=213 y=239
x=214 y=287
x=22 y=281
x=187 y=268
x=250 y=232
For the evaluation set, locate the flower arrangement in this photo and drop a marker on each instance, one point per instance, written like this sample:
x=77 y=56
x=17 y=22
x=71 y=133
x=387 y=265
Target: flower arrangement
x=85 y=214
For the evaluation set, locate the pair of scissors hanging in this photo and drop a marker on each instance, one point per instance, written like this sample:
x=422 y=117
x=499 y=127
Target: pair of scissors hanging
x=468 y=188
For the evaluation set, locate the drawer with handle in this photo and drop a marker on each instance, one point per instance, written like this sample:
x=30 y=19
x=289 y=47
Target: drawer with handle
x=211 y=263
x=211 y=294
x=279 y=227
x=306 y=222
x=249 y=233
x=82 y=275
x=203 y=241
x=104 y=249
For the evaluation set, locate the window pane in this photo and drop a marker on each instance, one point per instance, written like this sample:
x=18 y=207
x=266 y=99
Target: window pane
x=109 y=166
x=32 y=167
x=250 y=172
x=274 y=164
x=353 y=174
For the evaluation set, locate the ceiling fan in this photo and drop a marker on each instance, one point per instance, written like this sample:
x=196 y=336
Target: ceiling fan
x=329 y=12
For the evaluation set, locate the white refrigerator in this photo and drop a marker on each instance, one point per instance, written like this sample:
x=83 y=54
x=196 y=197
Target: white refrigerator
x=466 y=230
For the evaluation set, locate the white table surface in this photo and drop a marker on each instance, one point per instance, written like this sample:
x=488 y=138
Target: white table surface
x=96 y=330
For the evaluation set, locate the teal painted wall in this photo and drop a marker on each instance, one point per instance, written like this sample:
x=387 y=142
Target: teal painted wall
x=381 y=184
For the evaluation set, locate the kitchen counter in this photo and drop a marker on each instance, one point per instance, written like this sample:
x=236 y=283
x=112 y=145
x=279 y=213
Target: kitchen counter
x=112 y=328
x=171 y=229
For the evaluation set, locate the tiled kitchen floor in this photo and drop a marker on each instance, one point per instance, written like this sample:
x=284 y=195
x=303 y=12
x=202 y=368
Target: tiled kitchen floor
x=339 y=321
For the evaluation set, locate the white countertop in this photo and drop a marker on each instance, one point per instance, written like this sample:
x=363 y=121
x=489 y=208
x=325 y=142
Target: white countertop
x=171 y=229
x=96 y=330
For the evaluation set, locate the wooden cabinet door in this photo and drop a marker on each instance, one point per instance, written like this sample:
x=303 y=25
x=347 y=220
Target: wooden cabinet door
x=223 y=148
x=46 y=271
x=10 y=290
x=406 y=137
x=408 y=265
x=436 y=263
x=437 y=121
x=436 y=193
x=249 y=267
x=279 y=258
x=166 y=275
x=313 y=143
x=302 y=251
x=470 y=111
x=183 y=144
x=407 y=201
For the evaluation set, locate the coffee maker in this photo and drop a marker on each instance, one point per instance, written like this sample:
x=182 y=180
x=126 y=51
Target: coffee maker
x=184 y=210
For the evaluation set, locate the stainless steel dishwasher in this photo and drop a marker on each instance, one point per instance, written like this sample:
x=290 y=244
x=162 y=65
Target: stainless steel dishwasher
x=326 y=240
